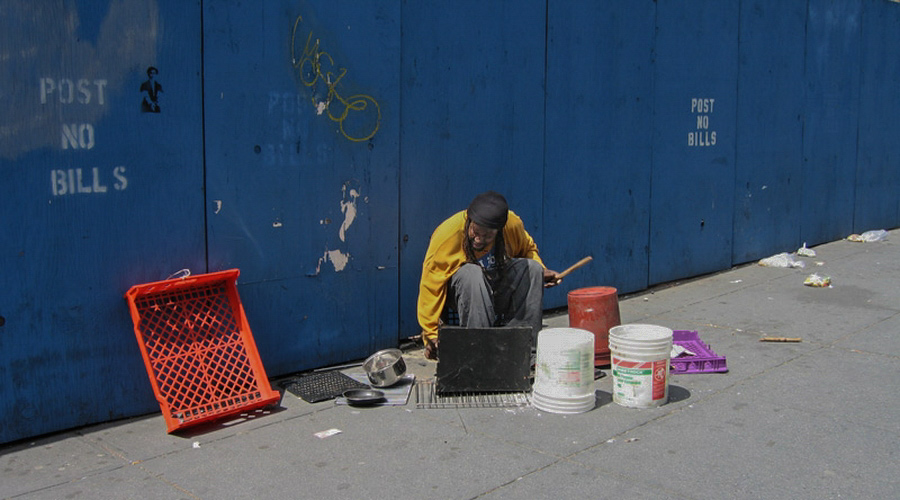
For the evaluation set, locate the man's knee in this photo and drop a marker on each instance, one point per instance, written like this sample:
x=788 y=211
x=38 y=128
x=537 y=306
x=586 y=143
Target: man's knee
x=469 y=270
x=467 y=280
x=535 y=267
x=468 y=274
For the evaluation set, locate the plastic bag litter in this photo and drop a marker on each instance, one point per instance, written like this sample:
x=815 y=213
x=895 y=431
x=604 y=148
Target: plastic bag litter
x=869 y=236
x=817 y=281
x=806 y=252
x=783 y=259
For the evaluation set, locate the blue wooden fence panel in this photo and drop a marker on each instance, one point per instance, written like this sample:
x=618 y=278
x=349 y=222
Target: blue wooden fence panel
x=768 y=179
x=877 y=204
x=831 y=119
x=691 y=197
x=302 y=163
x=473 y=104
x=598 y=114
x=100 y=196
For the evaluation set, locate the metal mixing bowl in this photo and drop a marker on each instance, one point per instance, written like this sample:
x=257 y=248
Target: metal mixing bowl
x=385 y=368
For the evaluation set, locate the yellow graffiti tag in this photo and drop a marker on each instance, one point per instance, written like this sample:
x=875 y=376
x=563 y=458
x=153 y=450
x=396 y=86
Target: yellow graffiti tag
x=316 y=66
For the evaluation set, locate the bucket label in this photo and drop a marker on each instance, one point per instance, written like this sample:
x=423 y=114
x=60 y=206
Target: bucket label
x=571 y=368
x=659 y=379
x=639 y=383
x=565 y=374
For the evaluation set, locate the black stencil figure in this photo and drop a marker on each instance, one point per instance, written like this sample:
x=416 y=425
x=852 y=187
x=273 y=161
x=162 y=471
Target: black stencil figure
x=151 y=90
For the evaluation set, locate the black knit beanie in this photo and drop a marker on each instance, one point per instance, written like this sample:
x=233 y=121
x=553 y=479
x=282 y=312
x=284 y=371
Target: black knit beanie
x=489 y=209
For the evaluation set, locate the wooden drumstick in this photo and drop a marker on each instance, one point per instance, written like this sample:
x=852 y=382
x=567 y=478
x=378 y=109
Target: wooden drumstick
x=574 y=267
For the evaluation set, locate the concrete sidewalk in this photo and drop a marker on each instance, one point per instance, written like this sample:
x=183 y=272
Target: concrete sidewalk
x=815 y=419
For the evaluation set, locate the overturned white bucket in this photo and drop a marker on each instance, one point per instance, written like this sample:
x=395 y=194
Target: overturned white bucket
x=640 y=364
x=564 y=371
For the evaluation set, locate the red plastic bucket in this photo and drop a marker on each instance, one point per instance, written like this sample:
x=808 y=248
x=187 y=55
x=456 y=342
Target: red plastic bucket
x=595 y=309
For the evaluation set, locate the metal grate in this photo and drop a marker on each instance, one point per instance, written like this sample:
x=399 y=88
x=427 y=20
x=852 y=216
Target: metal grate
x=317 y=387
x=426 y=398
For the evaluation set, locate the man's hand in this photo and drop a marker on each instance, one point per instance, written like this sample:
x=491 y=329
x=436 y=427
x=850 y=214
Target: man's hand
x=551 y=278
x=431 y=348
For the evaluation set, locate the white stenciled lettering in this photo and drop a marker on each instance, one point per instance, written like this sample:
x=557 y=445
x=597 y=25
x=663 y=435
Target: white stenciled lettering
x=702 y=138
x=66 y=91
x=702 y=122
x=78 y=136
x=80 y=182
x=69 y=91
x=702 y=107
x=121 y=181
x=84 y=93
x=699 y=105
x=84 y=181
x=285 y=103
x=281 y=154
x=97 y=186
x=58 y=182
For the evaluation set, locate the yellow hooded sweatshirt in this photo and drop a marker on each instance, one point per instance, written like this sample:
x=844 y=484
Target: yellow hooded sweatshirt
x=445 y=256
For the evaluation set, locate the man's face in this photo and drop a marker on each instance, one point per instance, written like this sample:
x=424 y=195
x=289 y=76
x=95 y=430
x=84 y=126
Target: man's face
x=481 y=237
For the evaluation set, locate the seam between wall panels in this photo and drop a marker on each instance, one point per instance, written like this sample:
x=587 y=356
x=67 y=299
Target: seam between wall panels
x=652 y=141
x=400 y=244
x=859 y=83
x=803 y=114
x=203 y=162
x=544 y=118
x=737 y=100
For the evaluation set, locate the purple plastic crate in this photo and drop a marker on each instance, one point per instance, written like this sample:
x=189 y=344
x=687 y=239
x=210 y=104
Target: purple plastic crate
x=705 y=361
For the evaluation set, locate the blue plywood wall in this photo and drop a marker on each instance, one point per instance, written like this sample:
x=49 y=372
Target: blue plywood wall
x=878 y=151
x=598 y=142
x=831 y=118
x=302 y=153
x=100 y=195
x=769 y=124
x=472 y=108
x=316 y=144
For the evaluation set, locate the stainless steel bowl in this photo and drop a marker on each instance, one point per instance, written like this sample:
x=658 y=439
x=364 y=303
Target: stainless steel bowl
x=385 y=368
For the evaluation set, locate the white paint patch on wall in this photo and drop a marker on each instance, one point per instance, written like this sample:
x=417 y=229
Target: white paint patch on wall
x=348 y=207
x=338 y=260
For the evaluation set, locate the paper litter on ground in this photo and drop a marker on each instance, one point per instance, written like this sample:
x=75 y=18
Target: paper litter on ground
x=678 y=350
x=328 y=433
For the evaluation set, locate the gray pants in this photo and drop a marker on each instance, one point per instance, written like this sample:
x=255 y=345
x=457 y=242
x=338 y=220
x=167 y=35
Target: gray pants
x=516 y=299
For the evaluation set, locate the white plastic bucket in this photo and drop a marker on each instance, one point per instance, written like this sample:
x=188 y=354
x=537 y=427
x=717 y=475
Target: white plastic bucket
x=564 y=371
x=640 y=364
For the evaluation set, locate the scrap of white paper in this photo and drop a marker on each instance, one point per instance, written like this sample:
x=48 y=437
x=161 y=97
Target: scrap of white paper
x=678 y=350
x=328 y=433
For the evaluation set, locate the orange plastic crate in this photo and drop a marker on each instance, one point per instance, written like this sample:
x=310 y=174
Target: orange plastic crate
x=198 y=349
